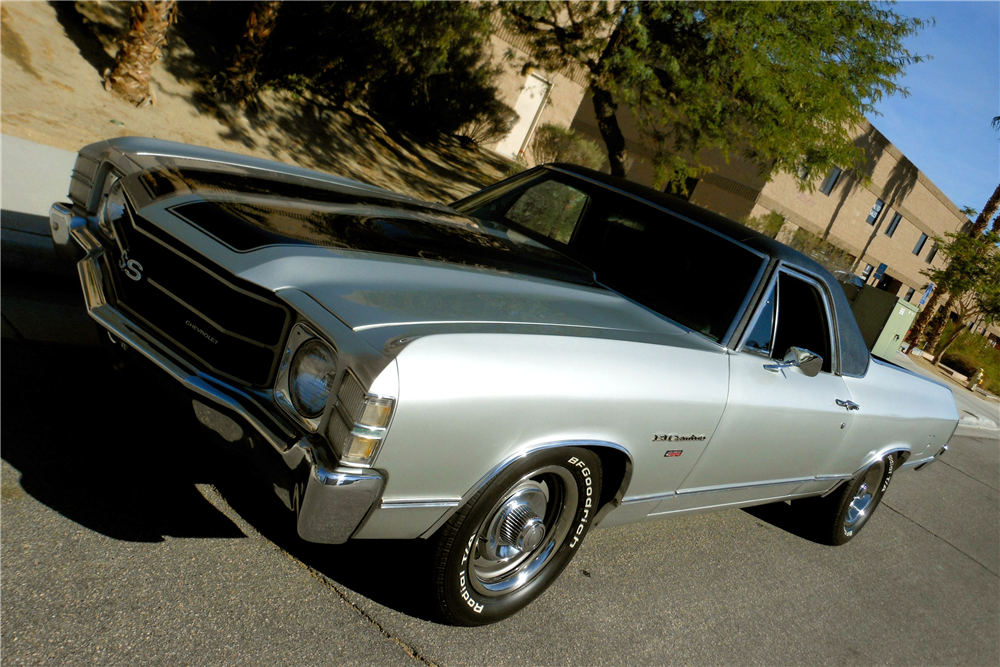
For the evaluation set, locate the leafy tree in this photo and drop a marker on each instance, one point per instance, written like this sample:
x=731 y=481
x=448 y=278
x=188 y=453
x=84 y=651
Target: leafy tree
x=972 y=278
x=925 y=319
x=782 y=82
x=139 y=49
x=241 y=78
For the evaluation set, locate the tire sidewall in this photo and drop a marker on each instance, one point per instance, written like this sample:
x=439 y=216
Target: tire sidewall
x=843 y=533
x=465 y=605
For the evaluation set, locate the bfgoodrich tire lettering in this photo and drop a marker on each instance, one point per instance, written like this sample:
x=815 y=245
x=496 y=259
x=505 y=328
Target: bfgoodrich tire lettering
x=516 y=535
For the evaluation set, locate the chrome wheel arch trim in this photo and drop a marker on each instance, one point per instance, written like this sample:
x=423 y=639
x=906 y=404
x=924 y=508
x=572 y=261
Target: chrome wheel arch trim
x=904 y=452
x=614 y=502
x=872 y=457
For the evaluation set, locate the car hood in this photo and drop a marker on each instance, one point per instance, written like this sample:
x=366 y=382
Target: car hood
x=375 y=259
x=368 y=291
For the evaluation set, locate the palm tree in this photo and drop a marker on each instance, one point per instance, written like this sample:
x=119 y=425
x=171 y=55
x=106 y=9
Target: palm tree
x=139 y=49
x=241 y=84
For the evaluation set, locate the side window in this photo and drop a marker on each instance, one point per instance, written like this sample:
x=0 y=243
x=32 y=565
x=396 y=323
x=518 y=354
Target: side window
x=759 y=340
x=550 y=208
x=802 y=320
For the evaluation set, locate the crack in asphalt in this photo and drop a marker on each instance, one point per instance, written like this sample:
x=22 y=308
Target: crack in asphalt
x=215 y=497
x=968 y=475
x=409 y=650
x=956 y=548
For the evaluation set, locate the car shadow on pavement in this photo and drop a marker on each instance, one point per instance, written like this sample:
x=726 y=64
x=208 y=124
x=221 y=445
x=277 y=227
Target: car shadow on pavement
x=393 y=573
x=102 y=454
x=794 y=518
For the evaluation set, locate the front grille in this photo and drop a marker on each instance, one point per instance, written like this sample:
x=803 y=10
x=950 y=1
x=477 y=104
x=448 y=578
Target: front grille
x=211 y=317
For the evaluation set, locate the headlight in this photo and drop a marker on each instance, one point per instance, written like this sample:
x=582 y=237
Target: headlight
x=310 y=377
x=112 y=210
x=359 y=424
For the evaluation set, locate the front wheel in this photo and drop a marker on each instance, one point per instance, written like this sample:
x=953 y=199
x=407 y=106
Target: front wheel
x=516 y=535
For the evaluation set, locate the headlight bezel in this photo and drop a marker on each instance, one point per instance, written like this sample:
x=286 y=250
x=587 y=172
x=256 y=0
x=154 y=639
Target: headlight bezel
x=113 y=187
x=300 y=335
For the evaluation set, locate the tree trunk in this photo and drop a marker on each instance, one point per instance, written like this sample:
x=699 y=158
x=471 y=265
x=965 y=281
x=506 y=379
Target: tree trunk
x=934 y=335
x=979 y=226
x=139 y=49
x=607 y=123
x=242 y=83
x=605 y=107
x=924 y=318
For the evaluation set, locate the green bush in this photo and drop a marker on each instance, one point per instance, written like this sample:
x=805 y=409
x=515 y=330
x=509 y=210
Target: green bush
x=769 y=225
x=553 y=143
x=972 y=351
x=492 y=123
x=959 y=363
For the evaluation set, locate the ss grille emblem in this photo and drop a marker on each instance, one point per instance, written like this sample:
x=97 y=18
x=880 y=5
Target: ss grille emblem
x=132 y=268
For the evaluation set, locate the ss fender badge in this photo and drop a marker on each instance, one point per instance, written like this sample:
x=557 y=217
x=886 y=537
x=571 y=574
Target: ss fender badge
x=673 y=452
x=673 y=437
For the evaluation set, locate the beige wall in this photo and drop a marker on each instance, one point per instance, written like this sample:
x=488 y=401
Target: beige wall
x=841 y=215
x=566 y=86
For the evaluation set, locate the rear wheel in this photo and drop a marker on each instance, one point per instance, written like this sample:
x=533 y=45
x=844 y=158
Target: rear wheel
x=843 y=514
x=516 y=535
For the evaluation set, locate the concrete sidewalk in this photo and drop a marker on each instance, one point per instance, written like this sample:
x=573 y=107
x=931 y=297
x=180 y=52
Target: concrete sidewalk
x=41 y=298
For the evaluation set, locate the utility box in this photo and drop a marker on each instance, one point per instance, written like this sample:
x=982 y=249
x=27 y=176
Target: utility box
x=883 y=318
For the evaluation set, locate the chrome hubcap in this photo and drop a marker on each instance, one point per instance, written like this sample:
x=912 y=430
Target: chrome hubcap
x=523 y=530
x=517 y=526
x=857 y=511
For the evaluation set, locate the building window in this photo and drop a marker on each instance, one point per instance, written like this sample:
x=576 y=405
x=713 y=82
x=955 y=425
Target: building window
x=876 y=209
x=909 y=294
x=891 y=229
x=931 y=254
x=920 y=244
x=867 y=272
x=831 y=180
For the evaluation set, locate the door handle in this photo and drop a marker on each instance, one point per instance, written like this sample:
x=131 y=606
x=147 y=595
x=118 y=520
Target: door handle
x=850 y=405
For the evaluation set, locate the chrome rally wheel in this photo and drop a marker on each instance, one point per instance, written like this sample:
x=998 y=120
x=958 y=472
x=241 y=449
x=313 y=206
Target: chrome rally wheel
x=863 y=503
x=513 y=538
x=839 y=517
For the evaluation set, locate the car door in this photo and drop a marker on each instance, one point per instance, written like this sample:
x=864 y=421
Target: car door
x=780 y=425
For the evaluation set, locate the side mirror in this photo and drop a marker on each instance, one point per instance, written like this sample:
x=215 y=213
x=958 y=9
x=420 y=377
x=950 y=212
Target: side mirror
x=807 y=361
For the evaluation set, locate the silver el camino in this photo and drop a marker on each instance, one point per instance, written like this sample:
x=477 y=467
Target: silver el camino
x=559 y=351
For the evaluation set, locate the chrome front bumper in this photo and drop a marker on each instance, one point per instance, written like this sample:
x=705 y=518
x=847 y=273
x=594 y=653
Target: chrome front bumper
x=331 y=502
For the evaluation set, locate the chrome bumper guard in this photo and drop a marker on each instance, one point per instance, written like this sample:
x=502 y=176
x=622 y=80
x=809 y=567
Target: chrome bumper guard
x=331 y=502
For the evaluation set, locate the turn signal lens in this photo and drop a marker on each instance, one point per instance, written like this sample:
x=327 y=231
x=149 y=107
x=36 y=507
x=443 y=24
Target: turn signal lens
x=360 y=448
x=377 y=411
x=359 y=424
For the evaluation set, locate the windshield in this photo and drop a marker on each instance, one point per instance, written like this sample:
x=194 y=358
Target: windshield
x=678 y=269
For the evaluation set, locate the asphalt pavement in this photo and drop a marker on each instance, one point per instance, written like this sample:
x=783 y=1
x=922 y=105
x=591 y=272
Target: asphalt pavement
x=127 y=537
